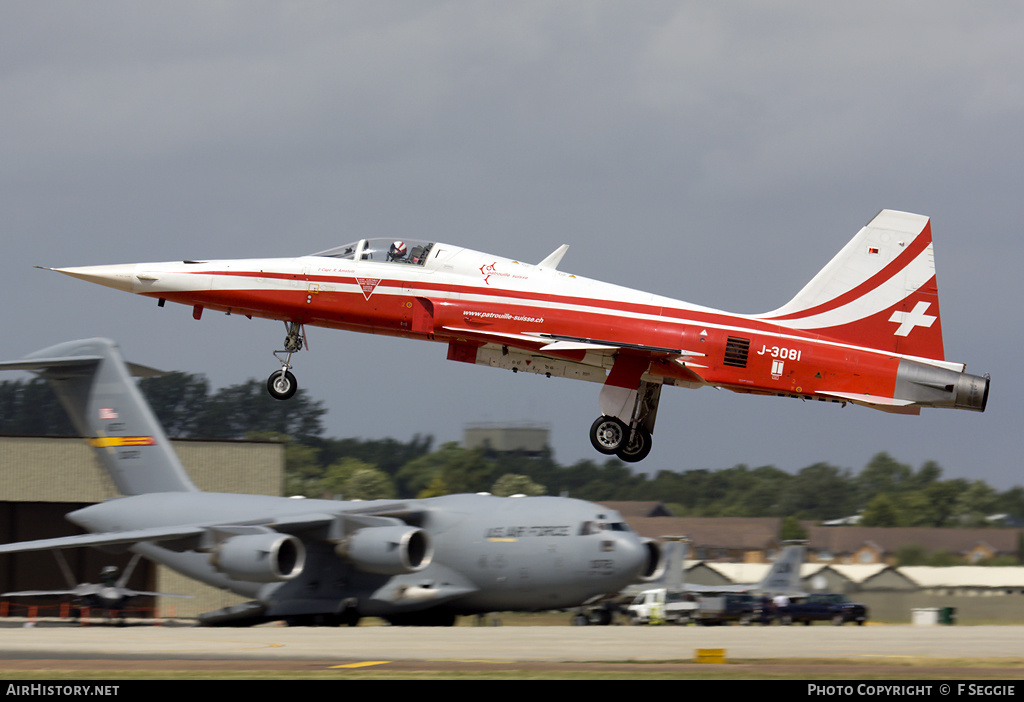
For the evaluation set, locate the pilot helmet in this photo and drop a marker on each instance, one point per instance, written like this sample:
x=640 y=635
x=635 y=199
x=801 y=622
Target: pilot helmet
x=397 y=250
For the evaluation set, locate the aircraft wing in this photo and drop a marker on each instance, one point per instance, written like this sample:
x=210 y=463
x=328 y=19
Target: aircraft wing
x=323 y=526
x=144 y=593
x=37 y=593
x=112 y=538
x=563 y=342
x=712 y=589
x=556 y=342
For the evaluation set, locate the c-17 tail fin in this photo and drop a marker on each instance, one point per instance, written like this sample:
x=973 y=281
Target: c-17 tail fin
x=95 y=385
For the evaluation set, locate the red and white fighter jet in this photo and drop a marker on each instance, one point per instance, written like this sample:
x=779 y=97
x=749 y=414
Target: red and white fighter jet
x=865 y=330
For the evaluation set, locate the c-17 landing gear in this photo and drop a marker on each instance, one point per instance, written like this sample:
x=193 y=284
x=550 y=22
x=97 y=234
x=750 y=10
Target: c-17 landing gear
x=282 y=384
x=631 y=442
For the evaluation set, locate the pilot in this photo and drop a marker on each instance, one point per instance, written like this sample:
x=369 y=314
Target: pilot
x=397 y=251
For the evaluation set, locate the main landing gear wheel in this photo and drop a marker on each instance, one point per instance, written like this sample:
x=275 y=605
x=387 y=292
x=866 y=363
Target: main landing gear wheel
x=282 y=384
x=608 y=434
x=611 y=436
x=638 y=448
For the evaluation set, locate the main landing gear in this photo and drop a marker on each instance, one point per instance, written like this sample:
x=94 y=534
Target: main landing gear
x=282 y=384
x=631 y=441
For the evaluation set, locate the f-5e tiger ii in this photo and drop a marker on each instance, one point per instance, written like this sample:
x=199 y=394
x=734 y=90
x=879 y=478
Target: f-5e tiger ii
x=866 y=329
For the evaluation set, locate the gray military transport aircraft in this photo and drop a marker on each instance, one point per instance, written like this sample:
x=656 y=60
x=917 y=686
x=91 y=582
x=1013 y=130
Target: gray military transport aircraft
x=418 y=562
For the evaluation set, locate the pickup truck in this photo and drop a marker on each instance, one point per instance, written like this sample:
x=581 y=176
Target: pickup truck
x=724 y=608
x=828 y=607
x=659 y=605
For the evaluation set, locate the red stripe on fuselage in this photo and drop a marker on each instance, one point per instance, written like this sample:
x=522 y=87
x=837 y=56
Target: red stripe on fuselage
x=413 y=288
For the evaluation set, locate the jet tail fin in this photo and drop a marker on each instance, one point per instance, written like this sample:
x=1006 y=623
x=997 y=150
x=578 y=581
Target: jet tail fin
x=676 y=550
x=94 y=384
x=784 y=575
x=879 y=291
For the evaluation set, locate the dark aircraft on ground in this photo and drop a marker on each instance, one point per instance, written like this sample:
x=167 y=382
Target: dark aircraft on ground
x=112 y=596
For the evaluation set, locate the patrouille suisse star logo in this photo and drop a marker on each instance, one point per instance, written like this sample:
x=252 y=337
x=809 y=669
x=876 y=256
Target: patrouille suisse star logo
x=368 y=285
x=487 y=271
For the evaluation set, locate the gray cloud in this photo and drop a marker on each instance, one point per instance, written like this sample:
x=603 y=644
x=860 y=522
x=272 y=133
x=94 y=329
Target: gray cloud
x=717 y=153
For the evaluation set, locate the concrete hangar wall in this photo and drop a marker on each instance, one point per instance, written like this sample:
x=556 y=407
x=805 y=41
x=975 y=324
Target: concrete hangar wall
x=44 y=478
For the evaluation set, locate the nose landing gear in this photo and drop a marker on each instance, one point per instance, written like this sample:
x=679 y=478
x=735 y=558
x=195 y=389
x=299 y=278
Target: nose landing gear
x=282 y=384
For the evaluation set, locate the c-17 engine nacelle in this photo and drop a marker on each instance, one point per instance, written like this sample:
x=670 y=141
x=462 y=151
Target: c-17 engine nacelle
x=655 y=567
x=387 y=550
x=260 y=558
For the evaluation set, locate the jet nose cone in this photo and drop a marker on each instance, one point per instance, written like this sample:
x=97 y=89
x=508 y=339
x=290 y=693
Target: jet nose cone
x=120 y=277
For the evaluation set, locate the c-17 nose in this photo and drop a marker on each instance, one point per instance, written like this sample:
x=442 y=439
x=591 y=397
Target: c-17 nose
x=635 y=556
x=120 y=276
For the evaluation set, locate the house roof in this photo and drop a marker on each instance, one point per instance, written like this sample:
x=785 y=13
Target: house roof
x=859 y=573
x=639 y=509
x=848 y=539
x=735 y=533
x=755 y=572
x=966 y=576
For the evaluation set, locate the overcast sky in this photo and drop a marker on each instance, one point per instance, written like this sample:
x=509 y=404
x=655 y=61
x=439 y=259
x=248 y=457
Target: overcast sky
x=719 y=153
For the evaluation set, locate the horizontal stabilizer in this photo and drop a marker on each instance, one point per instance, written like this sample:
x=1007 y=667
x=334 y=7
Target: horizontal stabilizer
x=40 y=364
x=94 y=384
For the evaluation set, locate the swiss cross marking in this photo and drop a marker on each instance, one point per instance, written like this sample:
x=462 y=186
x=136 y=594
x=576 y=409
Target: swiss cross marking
x=915 y=318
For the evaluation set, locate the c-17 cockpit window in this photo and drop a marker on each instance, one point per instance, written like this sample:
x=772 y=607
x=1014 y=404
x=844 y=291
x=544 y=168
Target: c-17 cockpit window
x=597 y=527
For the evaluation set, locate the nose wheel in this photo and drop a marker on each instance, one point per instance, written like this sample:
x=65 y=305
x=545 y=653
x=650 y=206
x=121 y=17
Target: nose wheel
x=282 y=384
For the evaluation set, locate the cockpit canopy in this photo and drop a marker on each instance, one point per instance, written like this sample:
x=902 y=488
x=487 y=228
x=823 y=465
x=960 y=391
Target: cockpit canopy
x=596 y=527
x=406 y=251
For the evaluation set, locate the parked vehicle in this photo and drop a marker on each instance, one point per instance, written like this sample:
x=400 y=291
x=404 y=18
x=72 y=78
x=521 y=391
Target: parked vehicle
x=659 y=605
x=728 y=607
x=830 y=607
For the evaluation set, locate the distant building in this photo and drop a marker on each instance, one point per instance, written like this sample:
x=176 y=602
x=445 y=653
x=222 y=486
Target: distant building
x=44 y=478
x=526 y=437
x=867 y=545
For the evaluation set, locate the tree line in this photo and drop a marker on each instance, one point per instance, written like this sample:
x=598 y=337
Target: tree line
x=885 y=492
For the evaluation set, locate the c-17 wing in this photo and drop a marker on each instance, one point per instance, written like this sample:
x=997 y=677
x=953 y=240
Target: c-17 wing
x=113 y=538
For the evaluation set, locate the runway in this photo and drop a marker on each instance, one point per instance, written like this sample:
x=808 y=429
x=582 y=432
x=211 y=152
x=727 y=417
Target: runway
x=507 y=644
